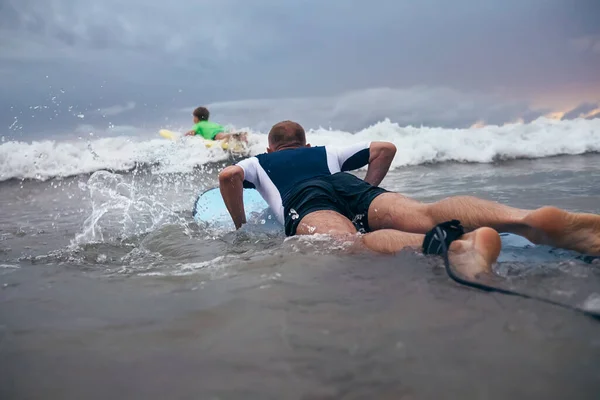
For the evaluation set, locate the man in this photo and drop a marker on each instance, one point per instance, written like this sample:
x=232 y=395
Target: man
x=310 y=193
x=210 y=130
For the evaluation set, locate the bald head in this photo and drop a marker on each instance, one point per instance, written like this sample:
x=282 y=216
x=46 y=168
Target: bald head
x=286 y=135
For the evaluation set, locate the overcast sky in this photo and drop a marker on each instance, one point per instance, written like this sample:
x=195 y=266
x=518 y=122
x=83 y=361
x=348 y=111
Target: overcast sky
x=339 y=63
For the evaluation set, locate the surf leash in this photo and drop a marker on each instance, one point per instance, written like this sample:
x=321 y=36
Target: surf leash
x=438 y=240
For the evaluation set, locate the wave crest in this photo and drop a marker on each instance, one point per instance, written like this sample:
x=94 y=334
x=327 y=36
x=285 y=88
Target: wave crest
x=42 y=160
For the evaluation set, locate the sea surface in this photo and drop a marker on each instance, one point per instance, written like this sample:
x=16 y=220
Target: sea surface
x=109 y=289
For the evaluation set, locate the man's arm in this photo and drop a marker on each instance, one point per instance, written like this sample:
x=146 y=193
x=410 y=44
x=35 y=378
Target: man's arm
x=381 y=155
x=377 y=155
x=231 y=184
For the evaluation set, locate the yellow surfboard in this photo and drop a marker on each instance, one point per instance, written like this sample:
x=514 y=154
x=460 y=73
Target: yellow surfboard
x=237 y=147
x=167 y=134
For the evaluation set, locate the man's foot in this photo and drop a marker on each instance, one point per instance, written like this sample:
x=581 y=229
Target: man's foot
x=572 y=231
x=475 y=252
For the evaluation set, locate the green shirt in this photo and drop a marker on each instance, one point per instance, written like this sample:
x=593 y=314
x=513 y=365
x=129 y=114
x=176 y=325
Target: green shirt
x=207 y=129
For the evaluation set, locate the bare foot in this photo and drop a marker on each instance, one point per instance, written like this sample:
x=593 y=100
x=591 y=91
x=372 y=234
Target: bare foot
x=475 y=252
x=573 y=231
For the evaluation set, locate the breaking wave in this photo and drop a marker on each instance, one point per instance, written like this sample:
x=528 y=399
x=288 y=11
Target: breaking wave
x=42 y=160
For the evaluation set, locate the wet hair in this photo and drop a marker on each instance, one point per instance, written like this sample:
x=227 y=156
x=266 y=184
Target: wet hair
x=201 y=113
x=288 y=134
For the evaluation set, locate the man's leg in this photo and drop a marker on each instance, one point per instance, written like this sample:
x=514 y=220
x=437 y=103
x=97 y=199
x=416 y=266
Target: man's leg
x=240 y=136
x=546 y=225
x=472 y=254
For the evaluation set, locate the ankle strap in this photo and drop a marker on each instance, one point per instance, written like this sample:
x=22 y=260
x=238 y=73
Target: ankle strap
x=446 y=232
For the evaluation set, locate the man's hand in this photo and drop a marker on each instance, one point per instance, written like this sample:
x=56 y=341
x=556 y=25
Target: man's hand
x=381 y=155
x=231 y=184
x=190 y=133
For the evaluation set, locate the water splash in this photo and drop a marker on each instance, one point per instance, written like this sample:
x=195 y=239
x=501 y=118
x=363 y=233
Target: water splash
x=120 y=210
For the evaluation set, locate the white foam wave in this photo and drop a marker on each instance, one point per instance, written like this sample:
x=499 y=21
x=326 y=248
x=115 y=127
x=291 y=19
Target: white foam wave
x=592 y=303
x=541 y=138
x=49 y=159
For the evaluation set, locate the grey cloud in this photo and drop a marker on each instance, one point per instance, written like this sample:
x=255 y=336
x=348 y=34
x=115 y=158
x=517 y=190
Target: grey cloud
x=164 y=55
x=583 y=110
x=355 y=110
x=151 y=27
x=587 y=44
x=532 y=114
x=117 y=109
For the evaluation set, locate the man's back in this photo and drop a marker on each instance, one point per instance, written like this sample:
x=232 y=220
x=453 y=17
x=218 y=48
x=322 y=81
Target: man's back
x=276 y=175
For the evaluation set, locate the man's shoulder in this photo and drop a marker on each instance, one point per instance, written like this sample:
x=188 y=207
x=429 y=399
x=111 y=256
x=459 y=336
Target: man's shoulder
x=248 y=160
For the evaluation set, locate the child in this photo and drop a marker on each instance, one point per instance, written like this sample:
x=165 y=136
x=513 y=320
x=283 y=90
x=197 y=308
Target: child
x=210 y=130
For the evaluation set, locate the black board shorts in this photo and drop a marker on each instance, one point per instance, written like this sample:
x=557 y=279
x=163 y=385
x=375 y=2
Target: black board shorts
x=342 y=192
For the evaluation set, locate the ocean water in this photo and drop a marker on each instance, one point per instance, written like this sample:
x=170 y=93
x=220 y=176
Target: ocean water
x=109 y=288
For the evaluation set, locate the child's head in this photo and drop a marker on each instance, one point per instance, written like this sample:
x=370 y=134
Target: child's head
x=200 y=114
